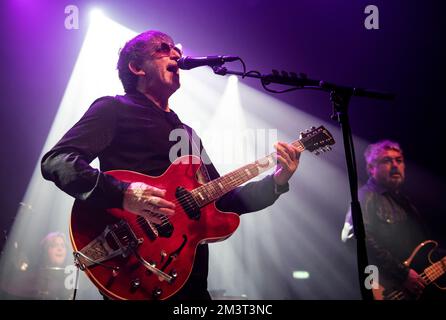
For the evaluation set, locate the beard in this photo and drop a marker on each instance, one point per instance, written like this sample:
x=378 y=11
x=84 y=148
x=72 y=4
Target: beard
x=395 y=181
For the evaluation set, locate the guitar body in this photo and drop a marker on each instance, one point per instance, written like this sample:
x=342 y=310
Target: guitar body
x=422 y=261
x=118 y=272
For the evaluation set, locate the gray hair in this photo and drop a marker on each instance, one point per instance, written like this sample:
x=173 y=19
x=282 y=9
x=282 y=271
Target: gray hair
x=372 y=151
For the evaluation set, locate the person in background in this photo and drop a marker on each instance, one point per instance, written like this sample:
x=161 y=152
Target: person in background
x=393 y=225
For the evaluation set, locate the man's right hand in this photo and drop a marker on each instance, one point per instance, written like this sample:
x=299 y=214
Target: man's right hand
x=414 y=283
x=147 y=201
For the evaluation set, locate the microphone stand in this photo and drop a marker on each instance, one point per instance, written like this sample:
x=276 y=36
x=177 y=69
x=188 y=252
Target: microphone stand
x=340 y=97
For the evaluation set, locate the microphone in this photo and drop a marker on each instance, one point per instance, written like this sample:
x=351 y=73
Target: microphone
x=187 y=63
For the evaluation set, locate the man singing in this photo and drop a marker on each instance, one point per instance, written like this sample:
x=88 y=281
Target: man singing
x=131 y=132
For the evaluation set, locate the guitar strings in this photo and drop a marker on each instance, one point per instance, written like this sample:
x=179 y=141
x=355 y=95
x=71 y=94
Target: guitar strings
x=238 y=179
x=432 y=272
x=166 y=219
x=122 y=233
x=177 y=202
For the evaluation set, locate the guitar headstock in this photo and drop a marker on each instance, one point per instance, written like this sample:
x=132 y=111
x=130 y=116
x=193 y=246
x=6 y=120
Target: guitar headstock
x=317 y=140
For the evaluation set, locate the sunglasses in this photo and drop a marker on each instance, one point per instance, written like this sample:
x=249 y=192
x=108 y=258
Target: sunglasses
x=164 y=49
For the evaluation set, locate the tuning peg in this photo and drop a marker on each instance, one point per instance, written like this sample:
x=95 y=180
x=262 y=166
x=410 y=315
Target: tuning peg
x=317 y=152
x=313 y=128
x=329 y=148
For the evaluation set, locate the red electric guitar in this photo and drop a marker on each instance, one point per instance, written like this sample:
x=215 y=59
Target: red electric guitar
x=128 y=257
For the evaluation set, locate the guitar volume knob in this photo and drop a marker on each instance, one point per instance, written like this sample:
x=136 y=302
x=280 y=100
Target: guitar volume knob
x=156 y=293
x=135 y=283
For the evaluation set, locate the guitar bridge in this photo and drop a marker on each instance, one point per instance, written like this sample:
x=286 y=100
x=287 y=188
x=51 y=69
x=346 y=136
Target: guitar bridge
x=117 y=239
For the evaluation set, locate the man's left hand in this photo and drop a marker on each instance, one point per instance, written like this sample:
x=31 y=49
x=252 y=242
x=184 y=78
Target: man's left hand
x=287 y=162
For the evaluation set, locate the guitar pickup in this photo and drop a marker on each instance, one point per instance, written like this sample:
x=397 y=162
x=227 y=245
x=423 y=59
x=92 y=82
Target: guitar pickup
x=188 y=203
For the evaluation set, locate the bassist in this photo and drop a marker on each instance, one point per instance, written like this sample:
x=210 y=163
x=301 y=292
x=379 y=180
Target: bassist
x=393 y=225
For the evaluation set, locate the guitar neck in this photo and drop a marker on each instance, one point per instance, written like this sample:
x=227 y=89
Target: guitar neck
x=434 y=271
x=429 y=275
x=216 y=188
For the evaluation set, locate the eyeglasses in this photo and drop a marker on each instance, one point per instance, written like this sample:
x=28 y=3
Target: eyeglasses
x=164 y=49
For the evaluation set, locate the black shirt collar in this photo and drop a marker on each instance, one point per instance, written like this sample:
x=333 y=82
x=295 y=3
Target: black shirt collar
x=141 y=99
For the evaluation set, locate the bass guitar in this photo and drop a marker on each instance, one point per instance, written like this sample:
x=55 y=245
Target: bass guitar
x=430 y=273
